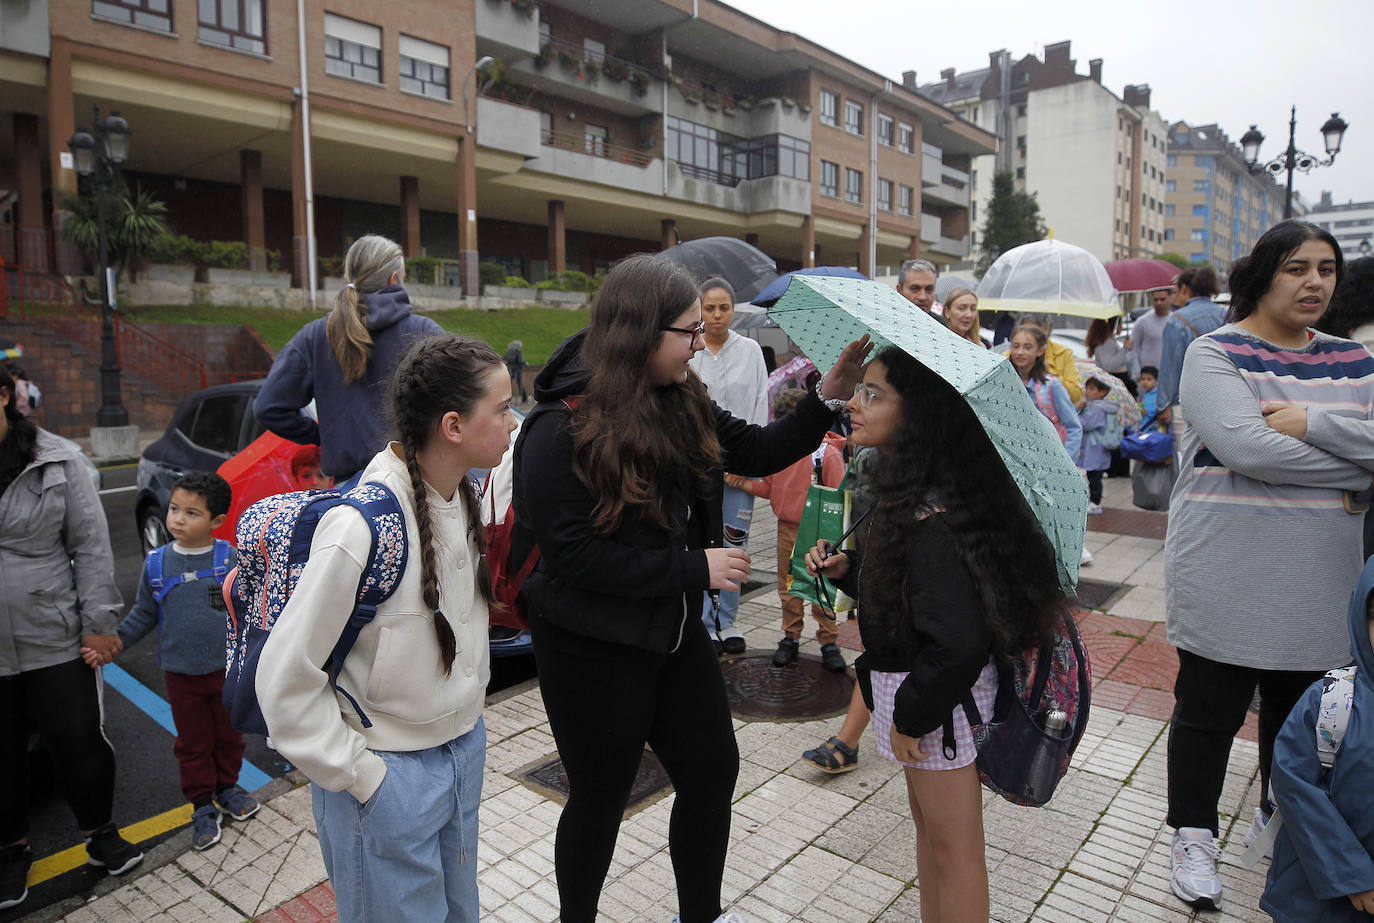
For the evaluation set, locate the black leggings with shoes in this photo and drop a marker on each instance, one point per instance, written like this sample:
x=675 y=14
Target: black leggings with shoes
x=605 y=702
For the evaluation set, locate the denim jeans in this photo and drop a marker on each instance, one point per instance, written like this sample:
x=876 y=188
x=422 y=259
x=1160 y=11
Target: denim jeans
x=737 y=510
x=410 y=852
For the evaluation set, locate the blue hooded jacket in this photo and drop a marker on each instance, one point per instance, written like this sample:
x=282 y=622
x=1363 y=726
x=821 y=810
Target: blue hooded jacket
x=352 y=426
x=1325 y=849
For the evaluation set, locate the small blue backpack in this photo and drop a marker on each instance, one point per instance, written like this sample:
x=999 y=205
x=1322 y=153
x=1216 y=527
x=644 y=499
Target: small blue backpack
x=274 y=537
x=162 y=583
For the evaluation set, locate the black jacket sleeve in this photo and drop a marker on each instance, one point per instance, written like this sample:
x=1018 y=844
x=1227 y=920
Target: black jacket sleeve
x=952 y=635
x=559 y=509
x=757 y=451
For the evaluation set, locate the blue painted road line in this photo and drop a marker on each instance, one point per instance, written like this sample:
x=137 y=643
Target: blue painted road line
x=251 y=778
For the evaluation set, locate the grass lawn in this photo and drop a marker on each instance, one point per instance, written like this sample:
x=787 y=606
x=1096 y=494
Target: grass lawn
x=540 y=329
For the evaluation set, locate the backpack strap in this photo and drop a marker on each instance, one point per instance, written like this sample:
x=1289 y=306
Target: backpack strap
x=1333 y=717
x=163 y=584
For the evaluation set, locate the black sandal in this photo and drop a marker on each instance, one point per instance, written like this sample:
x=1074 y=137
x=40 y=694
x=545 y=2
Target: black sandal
x=833 y=757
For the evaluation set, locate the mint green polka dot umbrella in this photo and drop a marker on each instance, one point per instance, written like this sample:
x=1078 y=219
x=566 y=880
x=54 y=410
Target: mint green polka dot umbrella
x=823 y=314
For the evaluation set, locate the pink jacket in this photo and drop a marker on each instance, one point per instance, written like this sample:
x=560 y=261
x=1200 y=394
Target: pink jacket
x=786 y=490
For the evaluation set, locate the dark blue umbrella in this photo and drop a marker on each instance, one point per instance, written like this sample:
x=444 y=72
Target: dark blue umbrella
x=774 y=291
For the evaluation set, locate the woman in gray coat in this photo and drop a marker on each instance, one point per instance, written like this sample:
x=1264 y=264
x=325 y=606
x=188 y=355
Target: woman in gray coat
x=57 y=594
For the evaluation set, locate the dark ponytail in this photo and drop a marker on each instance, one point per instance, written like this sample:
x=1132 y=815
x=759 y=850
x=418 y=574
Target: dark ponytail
x=439 y=374
x=20 y=445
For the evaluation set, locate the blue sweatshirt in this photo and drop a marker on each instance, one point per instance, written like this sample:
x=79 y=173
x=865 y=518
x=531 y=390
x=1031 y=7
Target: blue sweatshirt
x=191 y=639
x=352 y=417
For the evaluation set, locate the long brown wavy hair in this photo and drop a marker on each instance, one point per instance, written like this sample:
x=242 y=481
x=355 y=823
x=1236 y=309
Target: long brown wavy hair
x=635 y=445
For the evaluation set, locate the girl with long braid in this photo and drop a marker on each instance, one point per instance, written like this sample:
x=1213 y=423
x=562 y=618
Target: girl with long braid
x=396 y=802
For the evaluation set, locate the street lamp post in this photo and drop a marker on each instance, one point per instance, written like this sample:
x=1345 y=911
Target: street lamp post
x=99 y=155
x=1293 y=159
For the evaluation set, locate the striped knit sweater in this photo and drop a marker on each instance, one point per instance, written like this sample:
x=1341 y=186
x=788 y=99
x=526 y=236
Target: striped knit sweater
x=1261 y=554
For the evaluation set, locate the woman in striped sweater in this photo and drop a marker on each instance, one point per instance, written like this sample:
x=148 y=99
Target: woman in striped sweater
x=1263 y=546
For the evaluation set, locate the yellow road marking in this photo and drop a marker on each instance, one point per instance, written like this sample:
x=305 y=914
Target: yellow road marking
x=68 y=859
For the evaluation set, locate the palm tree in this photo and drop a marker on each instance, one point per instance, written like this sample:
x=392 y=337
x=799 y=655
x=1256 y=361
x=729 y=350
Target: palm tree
x=134 y=226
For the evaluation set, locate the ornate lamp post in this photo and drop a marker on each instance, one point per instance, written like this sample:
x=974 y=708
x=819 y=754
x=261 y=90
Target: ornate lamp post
x=1293 y=159
x=99 y=155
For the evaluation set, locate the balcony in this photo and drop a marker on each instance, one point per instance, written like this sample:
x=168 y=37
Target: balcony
x=574 y=156
x=505 y=32
x=565 y=69
x=506 y=126
x=714 y=189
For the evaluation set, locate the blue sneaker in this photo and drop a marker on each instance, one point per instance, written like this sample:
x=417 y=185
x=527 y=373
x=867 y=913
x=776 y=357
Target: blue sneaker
x=205 y=827
x=237 y=803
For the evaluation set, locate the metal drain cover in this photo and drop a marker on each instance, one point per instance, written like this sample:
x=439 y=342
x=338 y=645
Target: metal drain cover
x=549 y=778
x=803 y=689
x=1097 y=594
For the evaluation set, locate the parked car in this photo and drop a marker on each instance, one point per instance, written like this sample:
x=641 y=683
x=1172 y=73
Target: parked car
x=208 y=428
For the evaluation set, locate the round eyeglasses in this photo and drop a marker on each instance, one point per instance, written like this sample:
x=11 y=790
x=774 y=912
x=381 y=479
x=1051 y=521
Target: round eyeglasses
x=696 y=333
x=866 y=395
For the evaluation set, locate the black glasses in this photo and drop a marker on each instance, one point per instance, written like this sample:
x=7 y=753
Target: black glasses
x=694 y=332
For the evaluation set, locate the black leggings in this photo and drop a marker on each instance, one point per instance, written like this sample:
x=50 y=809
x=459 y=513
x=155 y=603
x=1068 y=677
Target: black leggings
x=1210 y=703
x=604 y=702
x=63 y=704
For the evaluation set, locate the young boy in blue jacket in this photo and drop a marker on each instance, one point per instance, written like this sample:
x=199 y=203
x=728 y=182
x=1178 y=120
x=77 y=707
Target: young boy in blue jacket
x=1323 y=866
x=1093 y=457
x=180 y=596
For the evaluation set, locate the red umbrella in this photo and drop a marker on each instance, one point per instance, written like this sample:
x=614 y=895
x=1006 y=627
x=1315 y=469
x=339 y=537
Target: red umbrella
x=1141 y=275
x=268 y=465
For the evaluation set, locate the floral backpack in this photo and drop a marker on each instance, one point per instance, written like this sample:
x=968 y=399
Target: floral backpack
x=273 y=538
x=1037 y=720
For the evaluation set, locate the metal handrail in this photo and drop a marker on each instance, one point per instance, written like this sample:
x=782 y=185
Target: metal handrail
x=594 y=147
x=706 y=173
x=578 y=51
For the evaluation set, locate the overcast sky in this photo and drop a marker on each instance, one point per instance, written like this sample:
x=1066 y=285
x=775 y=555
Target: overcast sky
x=1205 y=60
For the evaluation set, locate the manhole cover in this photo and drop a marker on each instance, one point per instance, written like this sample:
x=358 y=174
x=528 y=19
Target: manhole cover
x=802 y=689
x=549 y=778
x=1097 y=594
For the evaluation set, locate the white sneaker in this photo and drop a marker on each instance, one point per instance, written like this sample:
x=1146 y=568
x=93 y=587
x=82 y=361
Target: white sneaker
x=1195 y=878
x=1094 y=509
x=1087 y=556
x=1256 y=828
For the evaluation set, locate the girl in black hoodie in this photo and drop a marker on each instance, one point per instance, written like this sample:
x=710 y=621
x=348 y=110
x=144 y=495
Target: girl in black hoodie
x=622 y=491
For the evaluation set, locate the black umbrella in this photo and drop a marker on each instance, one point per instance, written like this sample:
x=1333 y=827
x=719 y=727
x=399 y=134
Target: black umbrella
x=747 y=268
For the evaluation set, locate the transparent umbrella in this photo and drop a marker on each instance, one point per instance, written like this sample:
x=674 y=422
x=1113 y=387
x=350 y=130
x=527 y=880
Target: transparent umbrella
x=1048 y=277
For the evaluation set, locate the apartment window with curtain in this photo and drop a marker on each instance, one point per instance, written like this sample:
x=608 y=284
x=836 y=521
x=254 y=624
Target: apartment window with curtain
x=234 y=24
x=853 y=186
x=885 y=130
x=906 y=137
x=154 y=14
x=853 y=118
x=885 y=195
x=424 y=68
x=352 y=49
x=904 y=197
x=830 y=179
x=830 y=108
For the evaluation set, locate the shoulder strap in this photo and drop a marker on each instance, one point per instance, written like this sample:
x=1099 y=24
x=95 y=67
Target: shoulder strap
x=221 y=560
x=154 y=566
x=1333 y=717
x=1180 y=319
x=163 y=584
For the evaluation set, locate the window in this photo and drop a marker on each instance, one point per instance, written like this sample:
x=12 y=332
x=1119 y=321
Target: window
x=234 y=24
x=1021 y=142
x=779 y=155
x=853 y=186
x=1168 y=233
x=1118 y=226
x=1021 y=111
x=594 y=138
x=853 y=117
x=1197 y=234
x=424 y=68
x=155 y=14
x=1200 y=256
x=1201 y=185
x=1171 y=185
x=546 y=128
x=1171 y=160
x=352 y=49
x=545 y=32
x=1118 y=157
x=906 y=137
x=1168 y=211
x=885 y=194
x=593 y=49
x=830 y=108
x=885 y=130
x=1151 y=235
x=904 y=197
x=830 y=179
x=217 y=423
x=1199 y=211
x=1020 y=172
x=1118 y=190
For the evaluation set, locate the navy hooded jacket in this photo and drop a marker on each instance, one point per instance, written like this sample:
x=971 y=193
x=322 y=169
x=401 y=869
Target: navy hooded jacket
x=1325 y=849
x=352 y=417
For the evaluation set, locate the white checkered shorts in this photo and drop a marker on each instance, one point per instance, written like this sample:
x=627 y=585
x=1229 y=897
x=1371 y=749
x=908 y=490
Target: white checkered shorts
x=884 y=691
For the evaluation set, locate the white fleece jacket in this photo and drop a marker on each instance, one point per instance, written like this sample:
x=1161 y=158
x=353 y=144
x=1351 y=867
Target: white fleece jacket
x=394 y=670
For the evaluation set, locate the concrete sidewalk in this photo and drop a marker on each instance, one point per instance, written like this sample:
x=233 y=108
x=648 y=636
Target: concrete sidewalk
x=804 y=846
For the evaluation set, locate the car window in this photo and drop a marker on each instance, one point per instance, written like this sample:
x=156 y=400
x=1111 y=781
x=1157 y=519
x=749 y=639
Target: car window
x=216 y=427
x=252 y=429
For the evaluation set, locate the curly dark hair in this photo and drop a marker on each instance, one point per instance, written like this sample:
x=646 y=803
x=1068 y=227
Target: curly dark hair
x=1352 y=304
x=211 y=486
x=941 y=451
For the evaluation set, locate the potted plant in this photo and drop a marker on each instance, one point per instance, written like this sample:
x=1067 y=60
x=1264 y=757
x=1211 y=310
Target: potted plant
x=591 y=67
x=526 y=6
x=545 y=56
x=639 y=82
x=691 y=95
x=567 y=60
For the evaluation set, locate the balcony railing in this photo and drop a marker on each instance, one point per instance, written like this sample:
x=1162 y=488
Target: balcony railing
x=707 y=174
x=591 y=66
x=594 y=147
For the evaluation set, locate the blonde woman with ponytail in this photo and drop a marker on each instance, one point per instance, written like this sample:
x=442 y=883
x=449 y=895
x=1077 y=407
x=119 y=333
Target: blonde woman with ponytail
x=396 y=802
x=344 y=362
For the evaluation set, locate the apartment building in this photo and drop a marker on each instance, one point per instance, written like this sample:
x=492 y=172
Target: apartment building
x=1352 y=224
x=1214 y=207
x=597 y=129
x=1094 y=160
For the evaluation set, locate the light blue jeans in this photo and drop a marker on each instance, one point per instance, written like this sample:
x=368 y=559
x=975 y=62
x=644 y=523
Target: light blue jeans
x=410 y=852
x=737 y=511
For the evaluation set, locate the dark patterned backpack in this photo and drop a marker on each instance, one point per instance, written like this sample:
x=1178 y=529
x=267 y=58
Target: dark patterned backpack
x=274 y=537
x=1038 y=718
